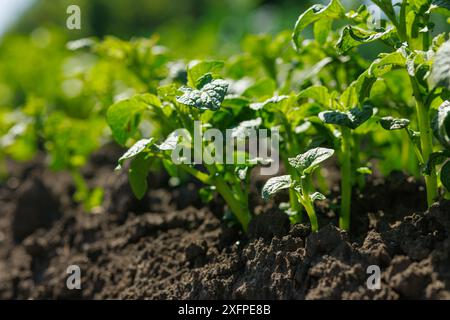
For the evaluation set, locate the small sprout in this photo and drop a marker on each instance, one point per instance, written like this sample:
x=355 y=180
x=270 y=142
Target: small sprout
x=305 y=164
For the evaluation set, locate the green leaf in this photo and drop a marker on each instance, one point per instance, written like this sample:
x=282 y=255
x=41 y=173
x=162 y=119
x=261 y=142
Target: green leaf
x=386 y=62
x=308 y=161
x=124 y=117
x=420 y=6
x=334 y=10
x=359 y=16
x=349 y=98
x=137 y=175
x=314 y=70
x=413 y=61
x=441 y=68
x=352 y=37
x=271 y=101
x=171 y=168
x=171 y=141
x=203 y=80
x=445 y=175
x=317 y=196
x=351 y=119
x=364 y=170
x=263 y=88
x=441 y=4
x=317 y=93
x=358 y=91
x=273 y=185
x=209 y=97
x=441 y=124
x=322 y=30
x=236 y=102
x=243 y=129
x=197 y=69
x=435 y=159
x=390 y=123
x=135 y=150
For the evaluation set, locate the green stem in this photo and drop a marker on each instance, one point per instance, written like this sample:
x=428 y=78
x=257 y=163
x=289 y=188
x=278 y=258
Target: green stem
x=294 y=202
x=239 y=209
x=426 y=35
x=401 y=28
x=202 y=177
x=360 y=179
x=415 y=148
x=305 y=200
x=346 y=183
x=408 y=161
x=426 y=141
x=309 y=207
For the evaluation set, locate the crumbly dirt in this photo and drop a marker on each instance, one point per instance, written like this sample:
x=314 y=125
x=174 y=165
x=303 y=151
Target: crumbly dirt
x=171 y=246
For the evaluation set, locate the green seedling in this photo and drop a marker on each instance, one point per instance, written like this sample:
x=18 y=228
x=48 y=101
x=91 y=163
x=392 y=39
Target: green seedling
x=346 y=122
x=301 y=185
x=186 y=107
x=408 y=31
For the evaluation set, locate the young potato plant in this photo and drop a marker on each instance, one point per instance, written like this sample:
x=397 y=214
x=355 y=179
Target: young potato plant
x=193 y=108
x=408 y=32
x=282 y=112
x=301 y=184
x=313 y=64
x=346 y=121
x=340 y=127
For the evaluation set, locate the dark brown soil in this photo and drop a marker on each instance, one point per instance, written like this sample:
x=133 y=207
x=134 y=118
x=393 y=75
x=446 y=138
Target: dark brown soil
x=170 y=246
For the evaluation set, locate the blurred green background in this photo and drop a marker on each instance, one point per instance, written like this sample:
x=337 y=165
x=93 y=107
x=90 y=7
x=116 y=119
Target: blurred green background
x=33 y=35
x=196 y=27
